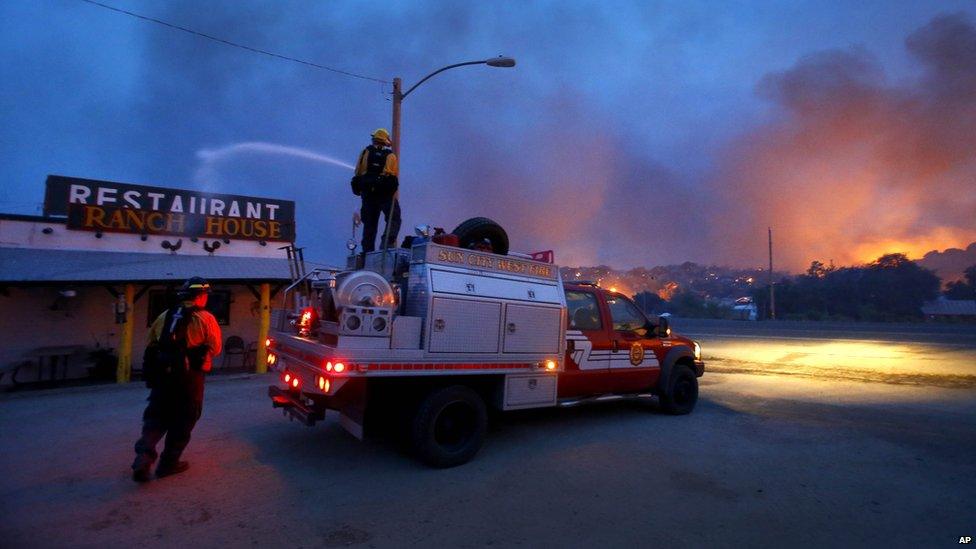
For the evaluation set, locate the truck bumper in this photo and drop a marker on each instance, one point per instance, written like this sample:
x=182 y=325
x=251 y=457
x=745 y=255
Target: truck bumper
x=292 y=404
x=699 y=368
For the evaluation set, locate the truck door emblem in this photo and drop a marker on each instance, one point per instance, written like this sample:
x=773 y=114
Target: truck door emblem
x=533 y=383
x=438 y=324
x=531 y=294
x=636 y=354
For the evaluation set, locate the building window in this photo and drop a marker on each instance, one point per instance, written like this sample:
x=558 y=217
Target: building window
x=160 y=300
x=219 y=306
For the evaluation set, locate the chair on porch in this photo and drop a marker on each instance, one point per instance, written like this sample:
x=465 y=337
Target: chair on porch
x=234 y=346
x=251 y=356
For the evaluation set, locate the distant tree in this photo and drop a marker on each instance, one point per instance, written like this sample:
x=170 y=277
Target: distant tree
x=650 y=302
x=689 y=304
x=819 y=270
x=895 y=287
x=963 y=289
x=891 y=288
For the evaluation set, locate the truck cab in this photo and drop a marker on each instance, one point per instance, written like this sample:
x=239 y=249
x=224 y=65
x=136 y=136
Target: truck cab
x=614 y=349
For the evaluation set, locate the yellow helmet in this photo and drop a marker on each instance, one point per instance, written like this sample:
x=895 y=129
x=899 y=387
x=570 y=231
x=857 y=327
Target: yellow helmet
x=381 y=135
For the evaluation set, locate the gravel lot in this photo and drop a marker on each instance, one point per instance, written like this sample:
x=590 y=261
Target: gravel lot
x=763 y=460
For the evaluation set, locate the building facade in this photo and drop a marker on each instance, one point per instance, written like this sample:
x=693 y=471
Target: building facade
x=81 y=284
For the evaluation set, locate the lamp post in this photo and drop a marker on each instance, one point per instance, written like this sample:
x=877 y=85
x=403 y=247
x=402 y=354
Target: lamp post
x=399 y=96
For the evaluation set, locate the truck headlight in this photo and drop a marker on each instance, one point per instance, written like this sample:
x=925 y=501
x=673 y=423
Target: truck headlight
x=697 y=351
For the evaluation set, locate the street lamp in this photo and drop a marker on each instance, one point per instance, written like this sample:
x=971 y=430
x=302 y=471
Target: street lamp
x=399 y=96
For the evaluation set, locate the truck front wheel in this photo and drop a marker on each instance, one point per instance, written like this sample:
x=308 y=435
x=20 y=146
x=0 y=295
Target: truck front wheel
x=449 y=426
x=681 y=395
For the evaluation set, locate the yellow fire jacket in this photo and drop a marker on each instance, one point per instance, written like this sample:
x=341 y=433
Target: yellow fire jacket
x=392 y=166
x=202 y=330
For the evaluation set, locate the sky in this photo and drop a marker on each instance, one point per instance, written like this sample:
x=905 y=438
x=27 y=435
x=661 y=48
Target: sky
x=629 y=133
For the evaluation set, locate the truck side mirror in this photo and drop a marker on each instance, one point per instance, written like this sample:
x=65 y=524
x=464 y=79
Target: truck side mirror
x=663 y=326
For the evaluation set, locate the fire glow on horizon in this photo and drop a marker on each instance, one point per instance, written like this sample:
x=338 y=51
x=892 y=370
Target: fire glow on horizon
x=849 y=167
x=854 y=167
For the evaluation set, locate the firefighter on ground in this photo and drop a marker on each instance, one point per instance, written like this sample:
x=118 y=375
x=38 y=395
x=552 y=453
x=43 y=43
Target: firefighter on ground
x=182 y=344
x=377 y=181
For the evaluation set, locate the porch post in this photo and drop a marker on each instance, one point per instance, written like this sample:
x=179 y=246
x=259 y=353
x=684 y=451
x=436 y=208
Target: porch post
x=123 y=372
x=264 y=324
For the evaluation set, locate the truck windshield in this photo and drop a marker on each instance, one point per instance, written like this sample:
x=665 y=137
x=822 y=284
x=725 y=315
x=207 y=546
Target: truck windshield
x=625 y=315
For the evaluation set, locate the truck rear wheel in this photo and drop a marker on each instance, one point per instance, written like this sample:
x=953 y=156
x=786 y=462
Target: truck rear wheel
x=681 y=395
x=449 y=426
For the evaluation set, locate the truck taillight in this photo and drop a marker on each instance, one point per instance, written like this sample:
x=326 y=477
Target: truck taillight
x=291 y=380
x=272 y=359
x=324 y=384
x=339 y=367
x=268 y=343
x=550 y=365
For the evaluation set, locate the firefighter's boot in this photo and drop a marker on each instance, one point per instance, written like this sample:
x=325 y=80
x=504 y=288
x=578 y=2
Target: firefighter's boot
x=166 y=469
x=142 y=468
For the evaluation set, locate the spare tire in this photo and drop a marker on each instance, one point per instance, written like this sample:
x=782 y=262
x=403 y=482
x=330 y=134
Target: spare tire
x=477 y=229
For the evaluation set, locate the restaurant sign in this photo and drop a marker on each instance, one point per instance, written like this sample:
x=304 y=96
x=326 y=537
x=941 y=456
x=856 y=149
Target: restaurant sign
x=104 y=206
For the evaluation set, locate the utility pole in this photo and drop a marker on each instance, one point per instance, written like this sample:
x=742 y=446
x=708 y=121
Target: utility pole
x=397 y=101
x=772 y=293
x=398 y=97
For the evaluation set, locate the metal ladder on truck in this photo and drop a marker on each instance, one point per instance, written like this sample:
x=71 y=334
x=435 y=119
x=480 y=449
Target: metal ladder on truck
x=301 y=286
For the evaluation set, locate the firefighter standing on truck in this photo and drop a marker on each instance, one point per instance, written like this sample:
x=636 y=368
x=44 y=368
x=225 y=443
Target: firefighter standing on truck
x=377 y=181
x=182 y=344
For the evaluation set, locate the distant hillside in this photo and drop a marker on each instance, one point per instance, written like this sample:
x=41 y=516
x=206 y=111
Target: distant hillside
x=716 y=282
x=709 y=281
x=949 y=264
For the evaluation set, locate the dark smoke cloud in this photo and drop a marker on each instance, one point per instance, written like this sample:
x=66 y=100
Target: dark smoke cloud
x=572 y=150
x=855 y=166
x=531 y=149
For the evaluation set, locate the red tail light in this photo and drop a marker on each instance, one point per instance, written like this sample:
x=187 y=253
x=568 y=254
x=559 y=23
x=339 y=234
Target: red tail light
x=324 y=384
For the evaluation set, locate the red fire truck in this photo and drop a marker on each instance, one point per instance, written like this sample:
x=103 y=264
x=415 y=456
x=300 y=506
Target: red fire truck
x=427 y=338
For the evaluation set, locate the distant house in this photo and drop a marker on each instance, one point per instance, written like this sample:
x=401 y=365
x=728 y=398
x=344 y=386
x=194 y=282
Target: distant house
x=950 y=309
x=744 y=309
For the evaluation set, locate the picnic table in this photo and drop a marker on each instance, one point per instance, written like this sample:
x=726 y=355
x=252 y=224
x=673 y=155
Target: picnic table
x=53 y=356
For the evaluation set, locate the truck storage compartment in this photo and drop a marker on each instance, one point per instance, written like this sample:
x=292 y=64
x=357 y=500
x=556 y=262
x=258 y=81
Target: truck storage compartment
x=529 y=391
x=532 y=329
x=464 y=326
x=406 y=332
x=448 y=282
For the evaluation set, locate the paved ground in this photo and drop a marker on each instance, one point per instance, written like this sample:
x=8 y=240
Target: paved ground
x=765 y=459
x=762 y=460
x=937 y=355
